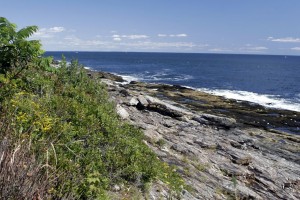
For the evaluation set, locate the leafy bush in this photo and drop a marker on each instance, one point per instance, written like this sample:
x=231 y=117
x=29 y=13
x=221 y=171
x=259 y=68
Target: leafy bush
x=61 y=137
x=16 y=53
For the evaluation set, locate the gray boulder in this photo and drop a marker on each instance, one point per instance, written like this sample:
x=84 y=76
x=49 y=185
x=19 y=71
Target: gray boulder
x=122 y=112
x=143 y=103
x=133 y=101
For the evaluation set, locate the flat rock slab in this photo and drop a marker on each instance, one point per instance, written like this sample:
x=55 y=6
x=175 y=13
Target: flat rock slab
x=143 y=103
x=209 y=119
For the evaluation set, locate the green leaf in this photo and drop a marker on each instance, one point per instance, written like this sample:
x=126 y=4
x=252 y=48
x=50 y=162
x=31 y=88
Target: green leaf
x=26 y=32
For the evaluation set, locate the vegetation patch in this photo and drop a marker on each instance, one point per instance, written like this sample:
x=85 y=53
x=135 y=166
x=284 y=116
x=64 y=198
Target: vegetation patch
x=60 y=136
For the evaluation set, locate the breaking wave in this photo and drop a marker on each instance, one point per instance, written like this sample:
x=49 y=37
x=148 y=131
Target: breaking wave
x=269 y=101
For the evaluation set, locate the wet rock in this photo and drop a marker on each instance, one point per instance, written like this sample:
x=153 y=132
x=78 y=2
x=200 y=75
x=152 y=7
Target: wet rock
x=109 y=76
x=133 y=82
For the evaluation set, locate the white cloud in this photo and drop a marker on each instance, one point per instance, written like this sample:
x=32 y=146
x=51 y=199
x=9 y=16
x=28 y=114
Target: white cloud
x=260 y=48
x=40 y=34
x=160 y=45
x=162 y=35
x=53 y=39
x=220 y=50
x=131 y=37
x=48 y=32
x=72 y=42
x=249 y=48
x=179 y=35
x=117 y=39
x=172 y=35
x=296 y=48
x=134 y=37
x=56 y=29
x=286 y=39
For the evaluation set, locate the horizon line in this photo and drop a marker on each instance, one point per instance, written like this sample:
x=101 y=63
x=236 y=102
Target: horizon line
x=162 y=52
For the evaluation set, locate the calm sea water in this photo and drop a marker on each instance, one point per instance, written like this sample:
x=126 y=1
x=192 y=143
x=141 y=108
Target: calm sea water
x=272 y=81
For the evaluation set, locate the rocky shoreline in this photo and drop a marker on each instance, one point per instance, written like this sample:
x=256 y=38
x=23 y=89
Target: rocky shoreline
x=224 y=149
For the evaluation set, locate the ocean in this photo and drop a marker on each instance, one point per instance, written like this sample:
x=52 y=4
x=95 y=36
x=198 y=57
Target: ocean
x=269 y=80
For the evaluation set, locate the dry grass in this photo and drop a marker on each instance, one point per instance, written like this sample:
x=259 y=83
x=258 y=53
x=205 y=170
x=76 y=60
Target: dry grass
x=21 y=177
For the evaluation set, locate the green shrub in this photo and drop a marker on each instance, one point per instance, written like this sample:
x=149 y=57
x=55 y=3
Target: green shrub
x=61 y=133
x=74 y=130
x=17 y=53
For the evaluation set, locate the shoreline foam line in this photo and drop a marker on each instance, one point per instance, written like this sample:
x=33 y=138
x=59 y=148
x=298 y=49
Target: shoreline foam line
x=268 y=101
x=128 y=78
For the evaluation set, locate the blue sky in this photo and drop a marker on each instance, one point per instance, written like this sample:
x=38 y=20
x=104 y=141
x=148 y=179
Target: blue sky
x=204 y=26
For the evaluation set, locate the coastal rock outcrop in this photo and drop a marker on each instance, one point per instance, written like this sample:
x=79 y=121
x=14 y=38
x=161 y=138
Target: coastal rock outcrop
x=219 y=154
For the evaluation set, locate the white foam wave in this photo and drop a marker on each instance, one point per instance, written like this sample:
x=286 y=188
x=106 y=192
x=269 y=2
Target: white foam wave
x=158 y=77
x=270 y=101
x=128 y=78
x=165 y=77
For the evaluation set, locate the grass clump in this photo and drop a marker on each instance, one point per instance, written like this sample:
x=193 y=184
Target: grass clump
x=161 y=143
